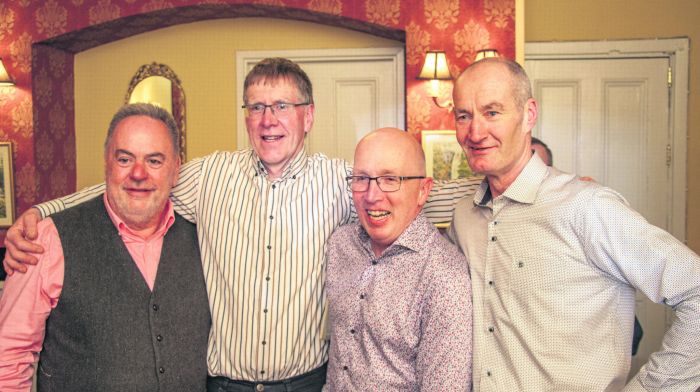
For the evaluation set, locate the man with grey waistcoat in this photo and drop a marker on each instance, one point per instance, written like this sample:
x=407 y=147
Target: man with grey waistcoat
x=118 y=301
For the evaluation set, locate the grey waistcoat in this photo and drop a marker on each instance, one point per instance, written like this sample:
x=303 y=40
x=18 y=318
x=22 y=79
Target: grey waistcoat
x=109 y=332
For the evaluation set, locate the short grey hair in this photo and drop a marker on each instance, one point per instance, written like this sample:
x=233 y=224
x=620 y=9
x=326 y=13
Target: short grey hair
x=149 y=110
x=270 y=70
x=522 y=89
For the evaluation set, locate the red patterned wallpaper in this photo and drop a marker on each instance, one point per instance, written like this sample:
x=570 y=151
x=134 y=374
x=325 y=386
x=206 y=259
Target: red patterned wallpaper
x=39 y=38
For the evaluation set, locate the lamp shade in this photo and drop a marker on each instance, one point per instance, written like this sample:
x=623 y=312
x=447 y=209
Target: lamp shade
x=435 y=66
x=485 y=53
x=5 y=79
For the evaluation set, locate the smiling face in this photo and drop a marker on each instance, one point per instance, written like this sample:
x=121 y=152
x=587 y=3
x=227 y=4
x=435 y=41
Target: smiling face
x=385 y=215
x=492 y=128
x=141 y=166
x=276 y=138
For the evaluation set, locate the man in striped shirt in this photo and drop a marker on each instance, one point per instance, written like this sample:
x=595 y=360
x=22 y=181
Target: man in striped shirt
x=263 y=218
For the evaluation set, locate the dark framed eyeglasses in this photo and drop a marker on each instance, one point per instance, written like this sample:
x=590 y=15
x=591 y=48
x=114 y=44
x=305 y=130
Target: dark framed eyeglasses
x=279 y=109
x=385 y=183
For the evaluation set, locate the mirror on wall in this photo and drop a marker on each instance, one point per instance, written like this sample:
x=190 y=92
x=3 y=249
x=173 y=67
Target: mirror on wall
x=158 y=84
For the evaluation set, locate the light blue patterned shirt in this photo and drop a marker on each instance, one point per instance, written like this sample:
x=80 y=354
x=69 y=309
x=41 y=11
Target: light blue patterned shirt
x=554 y=263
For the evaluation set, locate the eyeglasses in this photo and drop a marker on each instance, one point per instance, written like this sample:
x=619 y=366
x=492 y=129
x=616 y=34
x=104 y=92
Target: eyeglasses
x=385 y=183
x=279 y=109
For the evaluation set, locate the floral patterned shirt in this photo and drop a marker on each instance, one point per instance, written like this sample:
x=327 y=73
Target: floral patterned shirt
x=402 y=321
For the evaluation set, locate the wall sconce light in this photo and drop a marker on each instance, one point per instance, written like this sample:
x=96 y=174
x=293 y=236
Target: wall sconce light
x=485 y=53
x=435 y=69
x=5 y=78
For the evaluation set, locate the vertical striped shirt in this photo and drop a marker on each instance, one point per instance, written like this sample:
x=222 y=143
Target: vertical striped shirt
x=263 y=246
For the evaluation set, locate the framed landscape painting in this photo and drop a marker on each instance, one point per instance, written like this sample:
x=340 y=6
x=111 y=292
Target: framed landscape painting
x=7 y=194
x=444 y=158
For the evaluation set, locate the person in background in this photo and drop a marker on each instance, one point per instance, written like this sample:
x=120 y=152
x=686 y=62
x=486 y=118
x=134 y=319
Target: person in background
x=263 y=218
x=542 y=149
x=555 y=261
x=117 y=301
x=398 y=292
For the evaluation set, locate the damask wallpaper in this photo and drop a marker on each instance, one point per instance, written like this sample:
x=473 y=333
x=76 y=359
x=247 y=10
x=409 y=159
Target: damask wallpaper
x=39 y=38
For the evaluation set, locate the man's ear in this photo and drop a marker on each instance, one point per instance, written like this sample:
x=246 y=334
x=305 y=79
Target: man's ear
x=176 y=176
x=309 y=118
x=426 y=185
x=531 y=111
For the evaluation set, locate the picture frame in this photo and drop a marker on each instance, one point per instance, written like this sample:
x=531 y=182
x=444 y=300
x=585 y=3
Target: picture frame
x=7 y=188
x=444 y=157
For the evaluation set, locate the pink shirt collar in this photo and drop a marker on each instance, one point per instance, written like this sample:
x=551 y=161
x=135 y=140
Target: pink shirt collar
x=167 y=219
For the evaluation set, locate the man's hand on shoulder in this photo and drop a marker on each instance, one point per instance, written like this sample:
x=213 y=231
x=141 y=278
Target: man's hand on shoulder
x=20 y=249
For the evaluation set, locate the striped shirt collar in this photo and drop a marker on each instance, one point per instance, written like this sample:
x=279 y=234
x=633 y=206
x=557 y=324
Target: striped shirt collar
x=294 y=168
x=413 y=238
x=523 y=190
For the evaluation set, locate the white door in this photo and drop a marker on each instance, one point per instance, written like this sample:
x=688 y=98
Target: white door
x=609 y=119
x=355 y=92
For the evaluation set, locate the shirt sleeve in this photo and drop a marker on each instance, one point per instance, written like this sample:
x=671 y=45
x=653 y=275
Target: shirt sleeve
x=27 y=300
x=353 y=211
x=444 y=197
x=444 y=360
x=622 y=243
x=184 y=195
x=57 y=205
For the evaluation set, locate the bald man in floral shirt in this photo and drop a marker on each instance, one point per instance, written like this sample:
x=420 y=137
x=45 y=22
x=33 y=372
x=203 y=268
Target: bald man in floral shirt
x=399 y=294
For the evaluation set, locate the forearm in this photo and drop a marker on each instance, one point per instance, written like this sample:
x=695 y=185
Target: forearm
x=60 y=204
x=676 y=366
x=445 y=195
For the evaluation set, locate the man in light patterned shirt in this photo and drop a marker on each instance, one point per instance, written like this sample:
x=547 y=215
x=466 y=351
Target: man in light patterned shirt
x=263 y=217
x=555 y=261
x=398 y=292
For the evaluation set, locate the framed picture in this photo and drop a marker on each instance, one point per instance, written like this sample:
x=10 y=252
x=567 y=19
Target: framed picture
x=444 y=157
x=7 y=194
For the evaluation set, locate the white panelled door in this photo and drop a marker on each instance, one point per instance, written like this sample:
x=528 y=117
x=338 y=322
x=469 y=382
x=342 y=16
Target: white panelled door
x=610 y=119
x=355 y=92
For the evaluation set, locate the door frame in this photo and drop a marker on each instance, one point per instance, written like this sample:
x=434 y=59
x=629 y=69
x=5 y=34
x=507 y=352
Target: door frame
x=676 y=51
x=394 y=54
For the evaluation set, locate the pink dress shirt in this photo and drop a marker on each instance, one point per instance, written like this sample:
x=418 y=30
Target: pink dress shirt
x=27 y=299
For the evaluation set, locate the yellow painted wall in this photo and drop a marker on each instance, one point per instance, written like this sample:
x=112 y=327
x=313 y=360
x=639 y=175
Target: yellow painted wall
x=576 y=20
x=203 y=55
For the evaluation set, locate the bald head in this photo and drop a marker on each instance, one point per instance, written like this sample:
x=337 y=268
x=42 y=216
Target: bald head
x=392 y=162
x=396 y=143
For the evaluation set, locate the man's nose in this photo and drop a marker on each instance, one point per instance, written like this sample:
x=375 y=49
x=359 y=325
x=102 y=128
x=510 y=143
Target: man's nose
x=138 y=172
x=268 y=117
x=373 y=193
x=477 y=130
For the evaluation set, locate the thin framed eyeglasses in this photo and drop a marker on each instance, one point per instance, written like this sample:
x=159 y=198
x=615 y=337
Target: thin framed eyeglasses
x=385 y=183
x=278 y=109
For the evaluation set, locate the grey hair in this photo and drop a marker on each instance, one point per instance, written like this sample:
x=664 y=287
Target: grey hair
x=145 y=109
x=522 y=89
x=272 y=69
